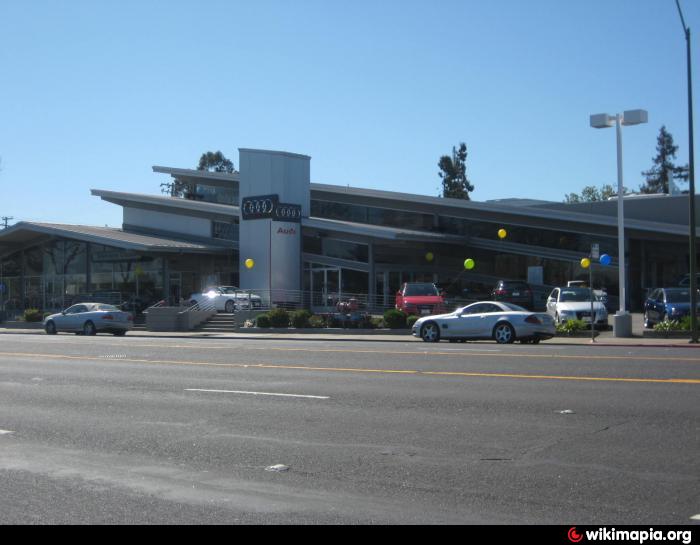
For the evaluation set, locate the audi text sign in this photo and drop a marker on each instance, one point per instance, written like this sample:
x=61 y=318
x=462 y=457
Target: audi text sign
x=268 y=206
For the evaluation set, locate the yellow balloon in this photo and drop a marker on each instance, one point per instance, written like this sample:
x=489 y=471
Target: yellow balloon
x=249 y=263
x=585 y=263
x=429 y=256
x=469 y=263
x=502 y=233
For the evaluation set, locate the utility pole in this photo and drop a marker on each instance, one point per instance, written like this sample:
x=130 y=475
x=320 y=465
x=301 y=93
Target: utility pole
x=5 y=219
x=692 y=253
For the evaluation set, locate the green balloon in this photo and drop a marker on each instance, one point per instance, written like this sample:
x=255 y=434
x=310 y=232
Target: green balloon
x=469 y=263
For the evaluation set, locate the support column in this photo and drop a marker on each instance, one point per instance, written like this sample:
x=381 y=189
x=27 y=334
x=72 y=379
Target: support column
x=372 y=288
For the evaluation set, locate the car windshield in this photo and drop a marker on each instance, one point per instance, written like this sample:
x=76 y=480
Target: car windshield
x=420 y=289
x=517 y=308
x=228 y=289
x=677 y=296
x=109 y=308
x=576 y=294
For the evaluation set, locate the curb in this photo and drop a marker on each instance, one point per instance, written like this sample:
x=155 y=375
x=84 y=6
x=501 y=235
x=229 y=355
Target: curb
x=358 y=336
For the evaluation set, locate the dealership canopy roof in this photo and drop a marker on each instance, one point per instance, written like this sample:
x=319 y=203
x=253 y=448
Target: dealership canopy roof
x=24 y=233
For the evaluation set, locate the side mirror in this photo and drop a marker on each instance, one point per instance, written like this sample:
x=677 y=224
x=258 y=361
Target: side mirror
x=63 y=312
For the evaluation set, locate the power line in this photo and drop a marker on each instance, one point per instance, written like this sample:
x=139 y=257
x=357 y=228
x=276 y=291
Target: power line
x=6 y=219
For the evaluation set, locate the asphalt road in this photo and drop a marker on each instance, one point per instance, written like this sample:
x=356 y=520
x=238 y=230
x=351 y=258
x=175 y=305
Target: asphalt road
x=143 y=430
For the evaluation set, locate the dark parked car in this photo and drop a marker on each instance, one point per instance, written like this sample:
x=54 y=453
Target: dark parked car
x=513 y=291
x=666 y=303
x=684 y=282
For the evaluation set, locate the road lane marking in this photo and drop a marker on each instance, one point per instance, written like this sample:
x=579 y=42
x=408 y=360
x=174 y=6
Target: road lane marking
x=363 y=370
x=254 y=393
x=475 y=352
x=5 y=432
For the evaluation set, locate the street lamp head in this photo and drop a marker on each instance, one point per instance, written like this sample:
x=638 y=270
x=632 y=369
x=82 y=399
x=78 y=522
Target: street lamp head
x=635 y=117
x=602 y=121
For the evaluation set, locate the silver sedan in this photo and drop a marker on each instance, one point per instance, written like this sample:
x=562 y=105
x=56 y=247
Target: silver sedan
x=89 y=319
x=502 y=322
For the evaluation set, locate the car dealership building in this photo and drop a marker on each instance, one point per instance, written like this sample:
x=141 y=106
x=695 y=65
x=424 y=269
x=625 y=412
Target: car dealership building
x=268 y=229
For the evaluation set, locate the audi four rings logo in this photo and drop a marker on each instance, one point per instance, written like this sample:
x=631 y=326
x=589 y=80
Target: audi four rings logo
x=268 y=206
x=258 y=206
x=290 y=211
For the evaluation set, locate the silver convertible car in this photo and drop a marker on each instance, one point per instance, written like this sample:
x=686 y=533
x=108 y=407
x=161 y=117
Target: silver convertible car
x=89 y=319
x=226 y=299
x=502 y=322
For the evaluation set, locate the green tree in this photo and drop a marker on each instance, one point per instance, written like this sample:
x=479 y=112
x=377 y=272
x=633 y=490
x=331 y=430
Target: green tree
x=209 y=161
x=453 y=171
x=215 y=162
x=659 y=175
x=593 y=194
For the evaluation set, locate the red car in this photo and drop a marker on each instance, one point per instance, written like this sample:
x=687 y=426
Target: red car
x=420 y=298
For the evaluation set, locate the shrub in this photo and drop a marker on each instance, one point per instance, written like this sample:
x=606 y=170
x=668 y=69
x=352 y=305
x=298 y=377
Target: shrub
x=377 y=323
x=33 y=315
x=300 y=318
x=279 y=317
x=411 y=320
x=366 y=322
x=670 y=325
x=685 y=323
x=394 y=319
x=334 y=322
x=571 y=326
x=262 y=321
x=317 y=322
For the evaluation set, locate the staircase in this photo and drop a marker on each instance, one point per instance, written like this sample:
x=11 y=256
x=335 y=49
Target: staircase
x=139 y=323
x=219 y=323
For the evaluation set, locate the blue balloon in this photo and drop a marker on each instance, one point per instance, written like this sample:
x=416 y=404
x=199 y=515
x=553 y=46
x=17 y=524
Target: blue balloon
x=605 y=259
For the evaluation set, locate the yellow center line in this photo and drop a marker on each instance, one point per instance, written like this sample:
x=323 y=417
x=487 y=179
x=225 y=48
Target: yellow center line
x=424 y=353
x=361 y=370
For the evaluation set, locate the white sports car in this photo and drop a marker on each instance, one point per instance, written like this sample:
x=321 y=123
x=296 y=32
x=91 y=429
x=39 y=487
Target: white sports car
x=227 y=299
x=500 y=321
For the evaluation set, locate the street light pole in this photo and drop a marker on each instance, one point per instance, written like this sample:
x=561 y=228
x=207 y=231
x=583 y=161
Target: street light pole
x=691 y=191
x=622 y=325
x=620 y=219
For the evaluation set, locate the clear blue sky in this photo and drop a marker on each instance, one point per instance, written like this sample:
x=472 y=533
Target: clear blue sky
x=93 y=94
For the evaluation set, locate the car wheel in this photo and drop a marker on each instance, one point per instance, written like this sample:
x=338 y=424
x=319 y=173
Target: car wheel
x=504 y=333
x=430 y=332
x=536 y=340
x=453 y=340
x=230 y=307
x=50 y=328
x=89 y=329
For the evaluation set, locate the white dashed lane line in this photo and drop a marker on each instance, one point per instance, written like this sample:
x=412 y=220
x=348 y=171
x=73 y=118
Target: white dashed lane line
x=254 y=393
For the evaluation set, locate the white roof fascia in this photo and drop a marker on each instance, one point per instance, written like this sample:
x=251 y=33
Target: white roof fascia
x=167 y=202
x=203 y=174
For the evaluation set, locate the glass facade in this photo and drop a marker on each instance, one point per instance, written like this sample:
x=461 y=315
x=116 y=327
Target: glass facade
x=372 y=215
x=55 y=274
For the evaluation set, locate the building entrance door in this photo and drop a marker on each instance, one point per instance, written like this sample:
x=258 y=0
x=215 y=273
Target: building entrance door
x=325 y=288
